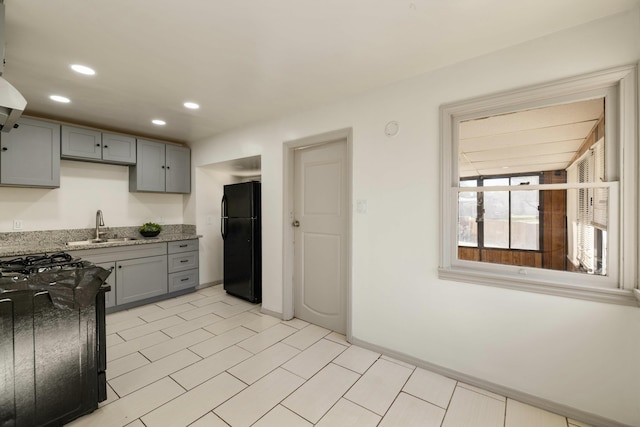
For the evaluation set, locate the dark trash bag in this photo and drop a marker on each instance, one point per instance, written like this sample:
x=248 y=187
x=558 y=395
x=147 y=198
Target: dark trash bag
x=70 y=288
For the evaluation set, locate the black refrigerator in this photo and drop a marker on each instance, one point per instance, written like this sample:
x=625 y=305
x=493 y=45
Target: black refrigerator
x=241 y=233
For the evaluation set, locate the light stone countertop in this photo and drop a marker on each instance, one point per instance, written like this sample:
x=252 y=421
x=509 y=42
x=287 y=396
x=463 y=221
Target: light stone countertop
x=51 y=241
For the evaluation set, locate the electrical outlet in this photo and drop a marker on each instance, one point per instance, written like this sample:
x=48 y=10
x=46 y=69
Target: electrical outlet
x=17 y=224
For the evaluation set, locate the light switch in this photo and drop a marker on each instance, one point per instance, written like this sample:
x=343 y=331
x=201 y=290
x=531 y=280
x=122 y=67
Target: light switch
x=361 y=206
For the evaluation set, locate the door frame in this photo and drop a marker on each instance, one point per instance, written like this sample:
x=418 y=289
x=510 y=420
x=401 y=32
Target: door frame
x=288 y=258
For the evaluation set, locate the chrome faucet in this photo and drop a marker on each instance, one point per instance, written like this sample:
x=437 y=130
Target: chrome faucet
x=99 y=222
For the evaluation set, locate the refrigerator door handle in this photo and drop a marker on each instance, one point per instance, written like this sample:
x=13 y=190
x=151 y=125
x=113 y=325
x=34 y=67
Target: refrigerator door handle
x=223 y=217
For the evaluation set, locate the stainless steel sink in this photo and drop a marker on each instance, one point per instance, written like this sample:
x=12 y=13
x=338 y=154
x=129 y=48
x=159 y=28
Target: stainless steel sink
x=98 y=241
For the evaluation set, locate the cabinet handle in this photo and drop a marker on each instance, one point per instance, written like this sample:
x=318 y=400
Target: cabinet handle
x=184 y=260
x=185 y=279
x=97 y=145
x=4 y=148
x=106 y=146
x=183 y=246
x=168 y=167
x=162 y=166
x=119 y=266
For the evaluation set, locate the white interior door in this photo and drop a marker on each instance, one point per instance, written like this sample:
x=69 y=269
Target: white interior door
x=321 y=212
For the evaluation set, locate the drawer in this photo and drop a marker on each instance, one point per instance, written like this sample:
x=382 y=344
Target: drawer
x=183 y=246
x=183 y=280
x=183 y=261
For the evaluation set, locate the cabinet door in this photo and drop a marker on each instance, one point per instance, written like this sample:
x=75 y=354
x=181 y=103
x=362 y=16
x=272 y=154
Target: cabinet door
x=140 y=278
x=30 y=154
x=79 y=143
x=119 y=148
x=178 y=169
x=149 y=172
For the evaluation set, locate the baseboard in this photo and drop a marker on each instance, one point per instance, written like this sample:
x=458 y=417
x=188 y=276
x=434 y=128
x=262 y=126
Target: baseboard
x=557 y=408
x=271 y=313
x=208 y=285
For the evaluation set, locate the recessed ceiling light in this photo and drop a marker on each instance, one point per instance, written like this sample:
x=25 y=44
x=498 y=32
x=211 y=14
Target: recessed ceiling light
x=83 y=69
x=158 y=122
x=191 y=105
x=59 y=98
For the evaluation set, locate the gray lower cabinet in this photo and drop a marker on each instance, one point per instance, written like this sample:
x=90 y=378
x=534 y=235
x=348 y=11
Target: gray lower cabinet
x=160 y=167
x=95 y=146
x=141 y=272
x=140 y=278
x=30 y=154
x=183 y=264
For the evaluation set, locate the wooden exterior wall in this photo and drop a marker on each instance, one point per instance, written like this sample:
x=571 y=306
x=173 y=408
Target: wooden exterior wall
x=554 y=223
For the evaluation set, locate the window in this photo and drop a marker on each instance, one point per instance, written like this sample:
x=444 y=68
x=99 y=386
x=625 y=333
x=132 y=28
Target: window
x=570 y=149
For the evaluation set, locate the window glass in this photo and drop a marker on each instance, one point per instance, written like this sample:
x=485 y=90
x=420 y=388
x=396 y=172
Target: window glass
x=525 y=215
x=467 y=214
x=496 y=214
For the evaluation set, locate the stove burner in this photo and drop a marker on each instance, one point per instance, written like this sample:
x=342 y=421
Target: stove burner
x=39 y=264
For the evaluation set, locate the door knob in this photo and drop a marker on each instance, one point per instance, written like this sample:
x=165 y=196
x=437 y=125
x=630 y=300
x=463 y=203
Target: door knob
x=296 y=223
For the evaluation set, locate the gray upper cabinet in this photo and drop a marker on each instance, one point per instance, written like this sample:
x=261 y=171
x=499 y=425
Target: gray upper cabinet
x=95 y=146
x=30 y=154
x=161 y=168
x=178 y=175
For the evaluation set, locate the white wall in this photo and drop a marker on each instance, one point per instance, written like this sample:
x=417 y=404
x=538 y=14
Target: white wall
x=85 y=188
x=581 y=354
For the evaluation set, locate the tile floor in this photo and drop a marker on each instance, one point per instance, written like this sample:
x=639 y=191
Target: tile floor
x=207 y=359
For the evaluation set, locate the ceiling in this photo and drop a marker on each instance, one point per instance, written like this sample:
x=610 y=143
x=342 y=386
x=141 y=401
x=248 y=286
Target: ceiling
x=542 y=139
x=249 y=60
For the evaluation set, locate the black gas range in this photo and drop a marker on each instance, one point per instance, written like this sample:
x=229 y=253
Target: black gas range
x=53 y=335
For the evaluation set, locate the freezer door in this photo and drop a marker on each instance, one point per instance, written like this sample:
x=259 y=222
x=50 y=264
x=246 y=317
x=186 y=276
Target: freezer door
x=240 y=259
x=240 y=200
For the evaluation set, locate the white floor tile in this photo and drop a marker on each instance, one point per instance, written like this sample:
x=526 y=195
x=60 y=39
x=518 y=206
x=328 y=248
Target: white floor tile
x=231 y=323
x=148 y=328
x=201 y=311
x=314 y=358
x=296 y=323
x=127 y=347
x=357 y=359
x=233 y=309
x=306 y=337
x=262 y=323
x=212 y=290
x=346 y=413
x=482 y=391
x=339 y=338
x=141 y=377
x=191 y=325
x=114 y=339
x=206 y=300
x=429 y=386
x=201 y=371
x=251 y=404
x=213 y=345
x=379 y=386
x=468 y=408
x=398 y=362
x=136 y=423
x=523 y=415
x=409 y=411
x=122 y=326
x=174 y=345
x=176 y=309
x=315 y=397
x=280 y=417
x=267 y=338
x=209 y=420
x=261 y=364
x=193 y=404
x=129 y=408
x=172 y=302
x=125 y=364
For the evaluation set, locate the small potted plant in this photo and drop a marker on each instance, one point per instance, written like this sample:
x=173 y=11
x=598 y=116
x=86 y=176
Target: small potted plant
x=150 y=229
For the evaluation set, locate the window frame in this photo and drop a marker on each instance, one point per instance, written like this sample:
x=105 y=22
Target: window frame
x=619 y=87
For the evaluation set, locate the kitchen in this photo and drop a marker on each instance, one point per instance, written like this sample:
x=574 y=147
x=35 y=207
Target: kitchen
x=429 y=319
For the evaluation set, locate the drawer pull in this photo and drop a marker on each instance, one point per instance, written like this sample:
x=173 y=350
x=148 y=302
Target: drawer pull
x=184 y=260
x=183 y=246
x=186 y=279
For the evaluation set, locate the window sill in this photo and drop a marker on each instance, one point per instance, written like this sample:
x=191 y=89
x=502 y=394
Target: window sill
x=610 y=296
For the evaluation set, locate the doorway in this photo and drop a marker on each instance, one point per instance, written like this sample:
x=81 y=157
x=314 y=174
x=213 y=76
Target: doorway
x=317 y=232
